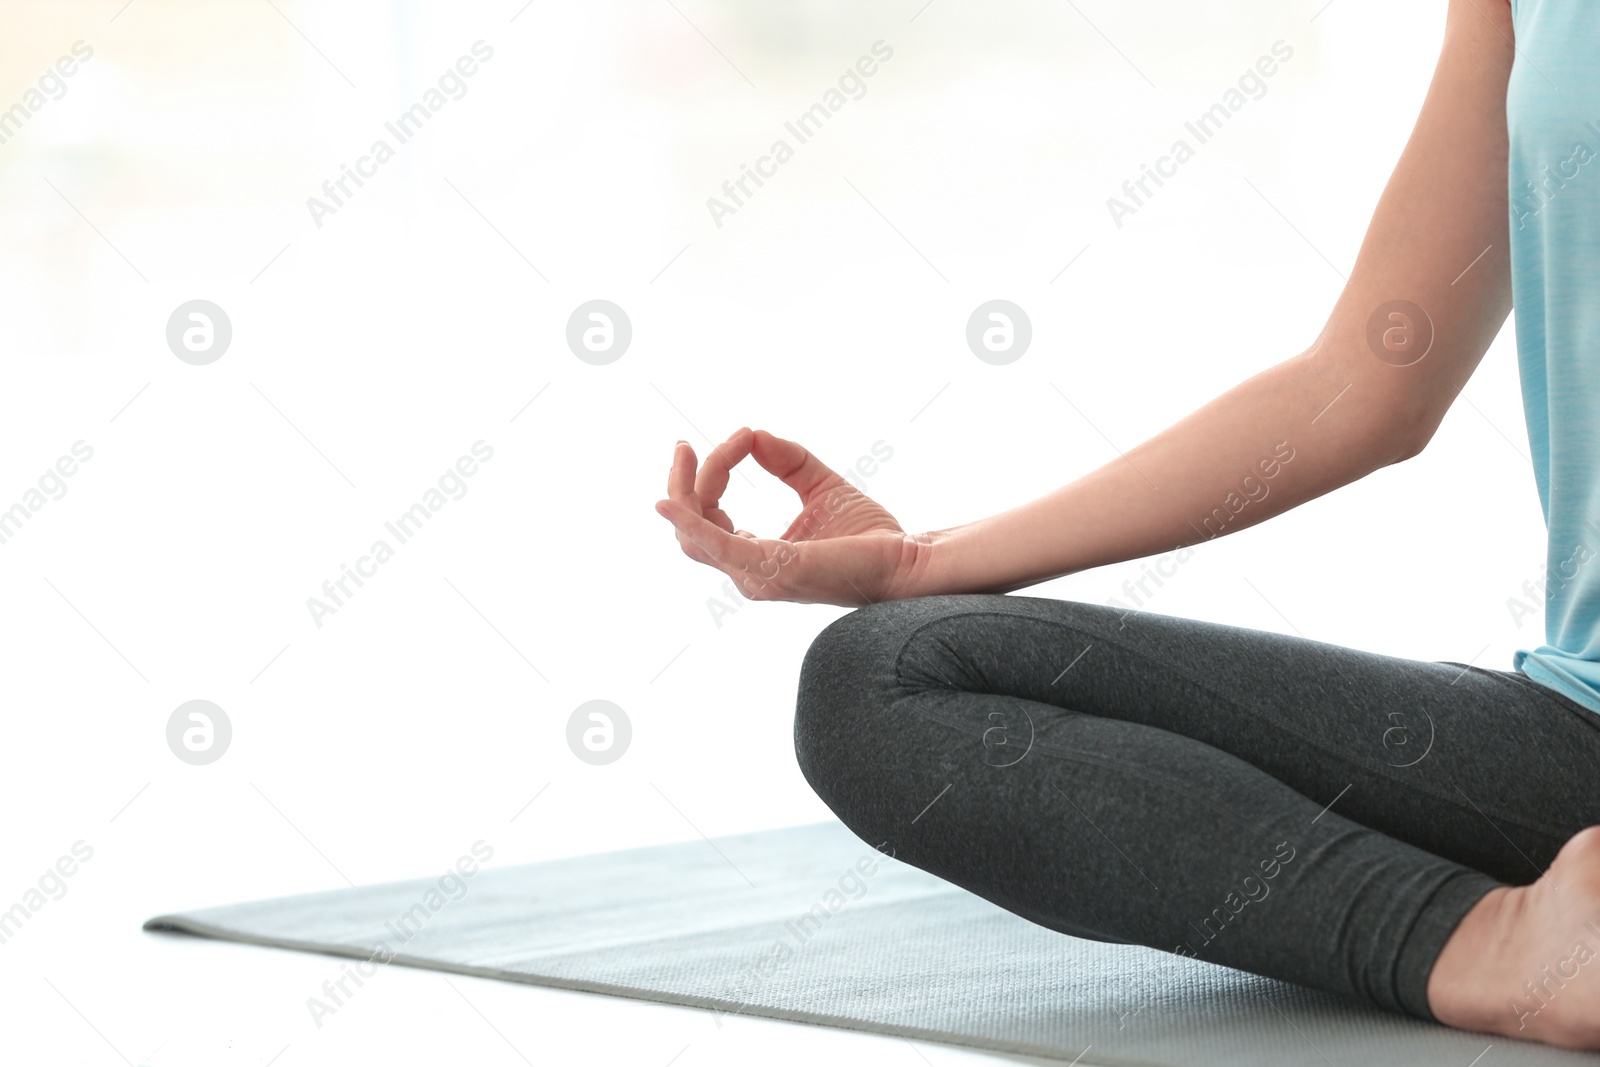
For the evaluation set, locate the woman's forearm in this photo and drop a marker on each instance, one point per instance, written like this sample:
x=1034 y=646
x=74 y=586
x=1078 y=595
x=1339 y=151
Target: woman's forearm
x=1293 y=432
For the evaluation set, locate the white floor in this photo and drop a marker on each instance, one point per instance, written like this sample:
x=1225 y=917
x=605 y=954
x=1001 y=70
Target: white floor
x=162 y=1000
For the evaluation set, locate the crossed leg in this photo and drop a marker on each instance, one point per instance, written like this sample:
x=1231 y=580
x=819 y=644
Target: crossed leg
x=1280 y=805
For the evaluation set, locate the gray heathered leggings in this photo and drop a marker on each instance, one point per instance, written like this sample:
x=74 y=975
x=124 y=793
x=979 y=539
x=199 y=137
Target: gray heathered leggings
x=1280 y=805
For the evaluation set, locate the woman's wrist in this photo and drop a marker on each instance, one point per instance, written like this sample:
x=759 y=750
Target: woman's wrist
x=986 y=556
x=933 y=565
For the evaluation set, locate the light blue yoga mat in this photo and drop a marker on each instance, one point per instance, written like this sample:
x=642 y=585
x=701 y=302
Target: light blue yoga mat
x=810 y=924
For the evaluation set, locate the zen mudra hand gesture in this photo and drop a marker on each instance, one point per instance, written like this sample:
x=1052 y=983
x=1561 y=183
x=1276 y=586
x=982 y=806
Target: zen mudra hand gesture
x=842 y=548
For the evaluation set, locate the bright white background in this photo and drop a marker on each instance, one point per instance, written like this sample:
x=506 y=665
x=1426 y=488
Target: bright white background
x=369 y=353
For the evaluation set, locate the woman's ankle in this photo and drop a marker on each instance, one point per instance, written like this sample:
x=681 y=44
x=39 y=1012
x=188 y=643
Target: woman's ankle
x=1517 y=963
x=1460 y=984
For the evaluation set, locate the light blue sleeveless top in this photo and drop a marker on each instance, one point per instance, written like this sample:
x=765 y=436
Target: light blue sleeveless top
x=1553 y=117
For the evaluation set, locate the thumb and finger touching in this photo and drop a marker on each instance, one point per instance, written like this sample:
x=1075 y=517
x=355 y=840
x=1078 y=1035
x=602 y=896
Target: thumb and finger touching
x=707 y=533
x=704 y=539
x=712 y=480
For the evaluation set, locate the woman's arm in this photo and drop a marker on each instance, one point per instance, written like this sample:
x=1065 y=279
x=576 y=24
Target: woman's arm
x=1327 y=416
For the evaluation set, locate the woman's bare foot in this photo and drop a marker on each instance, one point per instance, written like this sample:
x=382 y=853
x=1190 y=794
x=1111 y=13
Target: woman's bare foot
x=1525 y=961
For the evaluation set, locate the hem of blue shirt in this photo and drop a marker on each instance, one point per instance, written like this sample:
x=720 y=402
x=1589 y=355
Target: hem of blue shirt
x=1543 y=668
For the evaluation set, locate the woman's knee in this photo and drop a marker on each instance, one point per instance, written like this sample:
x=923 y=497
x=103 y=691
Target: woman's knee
x=849 y=681
x=832 y=676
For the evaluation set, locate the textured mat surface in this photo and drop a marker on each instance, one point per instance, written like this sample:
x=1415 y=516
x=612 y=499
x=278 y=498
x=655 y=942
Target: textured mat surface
x=809 y=923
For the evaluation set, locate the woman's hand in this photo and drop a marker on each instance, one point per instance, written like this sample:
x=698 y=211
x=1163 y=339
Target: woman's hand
x=843 y=548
